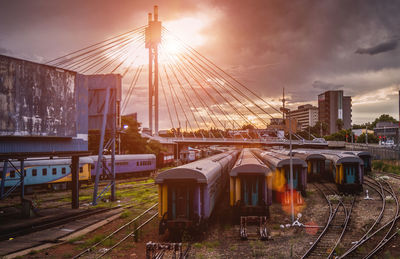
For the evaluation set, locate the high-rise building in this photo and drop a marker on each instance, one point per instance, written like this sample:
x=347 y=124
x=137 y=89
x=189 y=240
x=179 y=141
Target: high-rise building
x=306 y=115
x=333 y=106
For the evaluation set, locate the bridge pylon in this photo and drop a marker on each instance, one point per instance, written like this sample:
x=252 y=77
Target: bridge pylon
x=152 y=39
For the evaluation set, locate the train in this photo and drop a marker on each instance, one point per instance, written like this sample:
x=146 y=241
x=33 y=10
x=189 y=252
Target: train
x=344 y=168
x=188 y=194
x=56 y=173
x=280 y=165
x=250 y=186
x=126 y=165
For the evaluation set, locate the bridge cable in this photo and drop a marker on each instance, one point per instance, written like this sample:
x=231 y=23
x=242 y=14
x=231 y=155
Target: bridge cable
x=226 y=100
x=184 y=95
x=183 y=75
x=180 y=104
x=165 y=100
x=199 y=54
x=131 y=88
x=173 y=101
x=96 y=44
x=229 y=92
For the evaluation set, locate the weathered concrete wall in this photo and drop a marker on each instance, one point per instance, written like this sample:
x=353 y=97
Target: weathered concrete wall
x=36 y=100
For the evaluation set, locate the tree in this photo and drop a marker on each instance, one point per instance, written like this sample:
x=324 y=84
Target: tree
x=154 y=147
x=131 y=140
x=384 y=117
x=371 y=138
x=339 y=124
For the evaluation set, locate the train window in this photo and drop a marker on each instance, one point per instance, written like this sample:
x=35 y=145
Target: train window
x=44 y=171
x=12 y=174
x=137 y=163
x=1 y=174
x=63 y=170
x=34 y=172
x=24 y=173
x=54 y=171
x=81 y=169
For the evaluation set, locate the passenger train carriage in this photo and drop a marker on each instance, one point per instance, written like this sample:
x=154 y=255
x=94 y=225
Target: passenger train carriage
x=280 y=166
x=365 y=156
x=346 y=170
x=55 y=173
x=127 y=165
x=315 y=162
x=250 y=186
x=188 y=193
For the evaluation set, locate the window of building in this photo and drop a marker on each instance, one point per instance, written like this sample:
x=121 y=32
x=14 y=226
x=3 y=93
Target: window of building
x=54 y=171
x=63 y=170
x=34 y=172
x=44 y=171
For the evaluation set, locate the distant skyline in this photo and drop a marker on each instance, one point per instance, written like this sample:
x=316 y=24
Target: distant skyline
x=307 y=47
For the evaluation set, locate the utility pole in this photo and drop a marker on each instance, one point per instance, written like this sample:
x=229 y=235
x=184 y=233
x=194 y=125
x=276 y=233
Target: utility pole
x=152 y=39
x=286 y=110
x=366 y=135
x=283 y=104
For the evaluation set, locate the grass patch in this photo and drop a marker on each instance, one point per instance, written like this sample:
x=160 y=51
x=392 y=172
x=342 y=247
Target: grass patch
x=125 y=214
x=380 y=165
x=73 y=240
x=211 y=244
x=94 y=240
x=197 y=245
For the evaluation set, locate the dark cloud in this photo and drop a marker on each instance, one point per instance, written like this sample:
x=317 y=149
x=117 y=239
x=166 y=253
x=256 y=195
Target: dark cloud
x=326 y=86
x=306 y=46
x=382 y=47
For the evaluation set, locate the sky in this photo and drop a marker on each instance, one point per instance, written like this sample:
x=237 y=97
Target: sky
x=306 y=47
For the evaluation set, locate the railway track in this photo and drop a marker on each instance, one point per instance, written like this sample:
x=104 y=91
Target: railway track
x=383 y=229
x=63 y=219
x=100 y=249
x=340 y=209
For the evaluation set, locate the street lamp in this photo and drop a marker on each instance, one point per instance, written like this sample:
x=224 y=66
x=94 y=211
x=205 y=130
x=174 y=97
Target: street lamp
x=287 y=111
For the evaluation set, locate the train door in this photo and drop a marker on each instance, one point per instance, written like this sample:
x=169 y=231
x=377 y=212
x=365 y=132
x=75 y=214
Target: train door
x=296 y=174
x=252 y=189
x=180 y=204
x=350 y=173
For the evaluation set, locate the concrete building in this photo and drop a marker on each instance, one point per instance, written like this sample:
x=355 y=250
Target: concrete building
x=332 y=105
x=306 y=115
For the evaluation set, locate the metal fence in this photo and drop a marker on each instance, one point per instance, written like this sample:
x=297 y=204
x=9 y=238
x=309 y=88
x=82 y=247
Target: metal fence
x=377 y=152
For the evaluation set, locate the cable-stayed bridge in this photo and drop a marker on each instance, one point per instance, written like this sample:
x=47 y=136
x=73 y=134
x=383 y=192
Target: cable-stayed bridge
x=186 y=88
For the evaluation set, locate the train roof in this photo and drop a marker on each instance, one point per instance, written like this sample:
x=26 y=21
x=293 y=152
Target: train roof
x=127 y=157
x=249 y=163
x=279 y=160
x=358 y=153
x=336 y=156
x=202 y=171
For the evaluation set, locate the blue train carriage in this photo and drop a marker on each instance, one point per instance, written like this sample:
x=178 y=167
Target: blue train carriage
x=315 y=162
x=188 y=193
x=53 y=173
x=250 y=186
x=280 y=166
x=346 y=171
x=134 y=165
x=366 y=158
